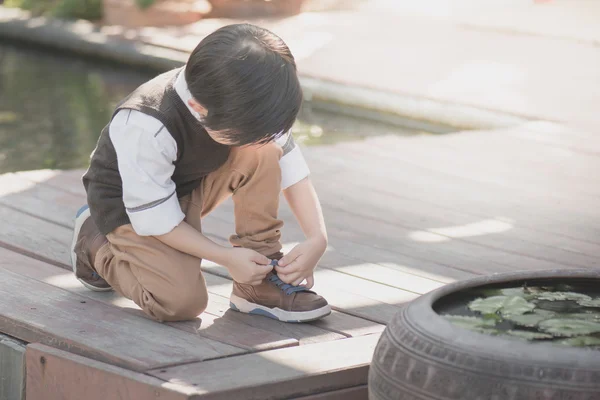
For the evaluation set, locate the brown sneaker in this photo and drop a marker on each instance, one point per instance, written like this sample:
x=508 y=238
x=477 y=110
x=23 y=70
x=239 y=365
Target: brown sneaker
x=275 y=299
x=87 y=240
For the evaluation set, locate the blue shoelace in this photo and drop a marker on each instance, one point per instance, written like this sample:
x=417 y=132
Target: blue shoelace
x=286 y=287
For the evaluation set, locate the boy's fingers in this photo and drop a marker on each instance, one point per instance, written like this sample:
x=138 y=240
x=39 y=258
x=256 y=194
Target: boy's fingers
x=290 y=278
x=260 y=259
x=298 y=281
x=289 y=257
x=264 y=269
x=288 y=269
x=284 y=277
x=310 y=281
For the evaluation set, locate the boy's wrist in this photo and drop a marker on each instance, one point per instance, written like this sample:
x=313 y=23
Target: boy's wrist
x=220 y=255
x=318 y=239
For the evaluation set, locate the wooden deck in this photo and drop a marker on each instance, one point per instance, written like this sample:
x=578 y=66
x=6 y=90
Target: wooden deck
x=405 y=216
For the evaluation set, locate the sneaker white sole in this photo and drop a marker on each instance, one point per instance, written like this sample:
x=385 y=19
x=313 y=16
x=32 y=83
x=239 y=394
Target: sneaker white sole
x=80 y=218
x=243 y=305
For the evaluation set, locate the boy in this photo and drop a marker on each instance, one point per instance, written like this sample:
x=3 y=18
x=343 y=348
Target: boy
x=177 y=147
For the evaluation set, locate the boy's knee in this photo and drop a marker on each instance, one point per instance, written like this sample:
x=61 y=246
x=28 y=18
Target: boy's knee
x=187 y=305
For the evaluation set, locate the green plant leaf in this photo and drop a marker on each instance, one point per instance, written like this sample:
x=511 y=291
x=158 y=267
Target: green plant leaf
x=487 y=306
x=495 y=317
x=143 y=4
x=569 y=327
x=470 y=322
x=529 y=335
x=531 y=320
x=562 y=296
x=581 y=341
x=589 y=303
x=516 y=306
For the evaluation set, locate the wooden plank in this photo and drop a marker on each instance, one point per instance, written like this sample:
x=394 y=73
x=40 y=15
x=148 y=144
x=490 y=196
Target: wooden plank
x=12 y=368
x=279 y=374
x=472 y=257
x=385 y=293
x=354 y=393
x=306 y=333
x=72 y=179
x=65 y=180
x=443 y=224
x=384 y=236
x=33 y=236
x=348 y=325
x=215 y=325
x=423 y=173
x=238 y=330
x=479 y=239
x=37 y=312
x=219 y=224
x=485 y=157
x=482 y=161
x=42 y=201
x=228 y=329
x=58 y=375
x=568 y=216
x=381 y=274
x=345 y=294
x=211 y=324
x=468 y=256
x=40 y=238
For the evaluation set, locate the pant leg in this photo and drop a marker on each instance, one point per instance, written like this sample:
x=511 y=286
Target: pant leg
x=167 y=284
x=251 y=175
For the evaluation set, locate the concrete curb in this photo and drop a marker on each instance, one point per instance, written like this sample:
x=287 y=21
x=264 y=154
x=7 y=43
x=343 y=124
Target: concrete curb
x=12 y=368
x=85 y=38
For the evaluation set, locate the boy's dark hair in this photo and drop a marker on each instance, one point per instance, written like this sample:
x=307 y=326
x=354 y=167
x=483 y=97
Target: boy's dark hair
x=245 y=76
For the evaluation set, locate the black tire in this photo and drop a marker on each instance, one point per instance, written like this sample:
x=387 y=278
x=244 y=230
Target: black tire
x=421 y=356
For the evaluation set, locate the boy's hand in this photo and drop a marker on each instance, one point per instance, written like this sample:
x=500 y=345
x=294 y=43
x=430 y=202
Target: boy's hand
x=247 y=266
x=299 y=264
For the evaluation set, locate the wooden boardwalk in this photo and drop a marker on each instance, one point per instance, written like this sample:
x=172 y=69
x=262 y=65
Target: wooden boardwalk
x=405 y=215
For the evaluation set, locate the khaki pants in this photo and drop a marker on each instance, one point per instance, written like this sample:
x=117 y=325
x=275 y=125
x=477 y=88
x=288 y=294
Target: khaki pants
x=168 y=284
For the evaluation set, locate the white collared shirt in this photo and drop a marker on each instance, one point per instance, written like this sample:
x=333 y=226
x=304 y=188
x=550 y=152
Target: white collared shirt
x=146 y=153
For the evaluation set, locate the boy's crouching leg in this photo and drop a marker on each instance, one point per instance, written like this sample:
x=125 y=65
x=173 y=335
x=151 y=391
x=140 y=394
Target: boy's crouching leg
x=165 y=283
x=185 y=305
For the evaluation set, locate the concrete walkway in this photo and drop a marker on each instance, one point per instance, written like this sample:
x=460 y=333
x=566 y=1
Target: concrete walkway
x=540 y=61
x=455 y=62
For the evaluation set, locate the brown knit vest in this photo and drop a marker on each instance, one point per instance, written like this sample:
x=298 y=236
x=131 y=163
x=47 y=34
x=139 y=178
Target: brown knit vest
x=197 y=153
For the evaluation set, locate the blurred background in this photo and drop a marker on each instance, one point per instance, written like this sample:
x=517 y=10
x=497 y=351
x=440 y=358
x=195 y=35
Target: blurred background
x=369 y=67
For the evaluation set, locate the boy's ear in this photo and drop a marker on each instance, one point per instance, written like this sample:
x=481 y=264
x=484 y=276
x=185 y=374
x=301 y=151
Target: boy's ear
x=199 y=108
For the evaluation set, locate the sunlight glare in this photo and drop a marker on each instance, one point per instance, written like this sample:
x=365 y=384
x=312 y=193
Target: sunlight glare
x=485 y=227
x=65 y=281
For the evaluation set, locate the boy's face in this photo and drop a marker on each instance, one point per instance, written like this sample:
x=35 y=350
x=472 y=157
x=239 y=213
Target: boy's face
x=215 y=135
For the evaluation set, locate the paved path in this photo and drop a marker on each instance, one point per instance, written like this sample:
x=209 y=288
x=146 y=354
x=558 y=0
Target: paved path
x=541 y=61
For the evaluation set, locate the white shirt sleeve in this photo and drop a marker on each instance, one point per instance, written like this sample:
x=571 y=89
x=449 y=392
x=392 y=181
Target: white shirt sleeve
x=292 y=163
x=145 y=155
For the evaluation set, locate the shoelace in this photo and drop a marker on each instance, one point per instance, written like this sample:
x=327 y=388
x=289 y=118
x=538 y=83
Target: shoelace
x=285 y=287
